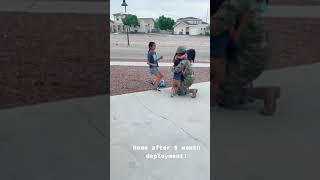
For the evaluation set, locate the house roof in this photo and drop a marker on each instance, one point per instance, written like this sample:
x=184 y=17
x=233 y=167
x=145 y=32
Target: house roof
x=120 y=14
x=147 y=19
x=188 y=18
x=187 y=23
x=180 y=22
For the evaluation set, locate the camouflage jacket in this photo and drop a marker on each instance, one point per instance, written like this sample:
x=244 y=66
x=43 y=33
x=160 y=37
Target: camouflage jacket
x=224 y=18
x=252 y=45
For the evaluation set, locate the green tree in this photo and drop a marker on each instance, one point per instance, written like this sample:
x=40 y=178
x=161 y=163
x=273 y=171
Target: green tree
x=156 y=25
x=131 y=21
x=164 y=23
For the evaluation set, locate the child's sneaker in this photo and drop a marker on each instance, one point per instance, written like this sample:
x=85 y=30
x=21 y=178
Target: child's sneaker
x=157 y=89
x=162 y=84
x=270 y=101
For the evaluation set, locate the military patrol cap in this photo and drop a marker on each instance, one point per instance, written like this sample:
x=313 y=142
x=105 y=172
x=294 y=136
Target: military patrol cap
x=181 y=49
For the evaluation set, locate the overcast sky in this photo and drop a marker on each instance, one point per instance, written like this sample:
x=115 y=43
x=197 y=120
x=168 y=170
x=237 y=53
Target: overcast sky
x=155 y=8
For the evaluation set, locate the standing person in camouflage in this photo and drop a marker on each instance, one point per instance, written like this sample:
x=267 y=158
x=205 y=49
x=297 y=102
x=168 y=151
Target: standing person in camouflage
x=185 y=67
x=239 y=56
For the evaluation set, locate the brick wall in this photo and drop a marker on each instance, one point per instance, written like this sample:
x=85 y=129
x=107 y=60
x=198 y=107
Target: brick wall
x=48 y=57
x=294 y=41
x=294 y=2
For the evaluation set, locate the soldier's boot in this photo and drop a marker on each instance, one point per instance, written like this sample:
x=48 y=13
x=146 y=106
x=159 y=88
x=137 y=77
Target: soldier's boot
x=269 y=95
x=270 y=101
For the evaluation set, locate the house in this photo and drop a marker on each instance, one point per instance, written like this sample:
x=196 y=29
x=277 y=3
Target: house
x=191 y=26
x=112 y=26
x=146 y=24
x=118 y=24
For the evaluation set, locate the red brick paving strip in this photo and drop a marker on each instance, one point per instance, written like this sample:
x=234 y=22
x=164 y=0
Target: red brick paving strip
x=126 y=79
x=48 y=57
x=294 y=2
x=294 y=41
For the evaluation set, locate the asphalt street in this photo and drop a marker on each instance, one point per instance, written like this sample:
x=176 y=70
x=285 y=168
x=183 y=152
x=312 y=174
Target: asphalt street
x=166 y=46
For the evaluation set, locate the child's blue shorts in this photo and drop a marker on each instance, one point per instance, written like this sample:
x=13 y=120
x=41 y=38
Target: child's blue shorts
x=177 y=76
x=153 y=70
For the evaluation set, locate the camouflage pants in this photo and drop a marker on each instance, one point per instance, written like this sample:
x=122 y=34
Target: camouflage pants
x=245 y=58
x=234 y=89
x=185 y=84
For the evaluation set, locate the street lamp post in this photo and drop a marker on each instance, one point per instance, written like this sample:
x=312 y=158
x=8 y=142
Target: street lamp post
x=125 y=10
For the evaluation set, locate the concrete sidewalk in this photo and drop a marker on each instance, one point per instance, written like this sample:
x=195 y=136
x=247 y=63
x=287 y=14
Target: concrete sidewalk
x=63 y=140
x=161 y=64
x=154 y=118
x=66 y=140
x=286 y=146
x=143 y=59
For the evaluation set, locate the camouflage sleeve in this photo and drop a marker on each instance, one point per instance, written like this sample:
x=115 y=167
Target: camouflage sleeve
x=253 y=49
x=224 y=18
x=187 y=70
x=180 y=67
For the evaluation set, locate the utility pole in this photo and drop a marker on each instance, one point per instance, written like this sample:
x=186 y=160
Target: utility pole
x=125 y=11
x=207 y=16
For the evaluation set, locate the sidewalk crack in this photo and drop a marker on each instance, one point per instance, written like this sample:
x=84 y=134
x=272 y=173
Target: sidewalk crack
x=172 y=122
x=90 y=121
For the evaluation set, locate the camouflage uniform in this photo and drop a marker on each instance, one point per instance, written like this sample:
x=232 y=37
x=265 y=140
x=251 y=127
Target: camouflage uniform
x=251 y=54
x=188 y=77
